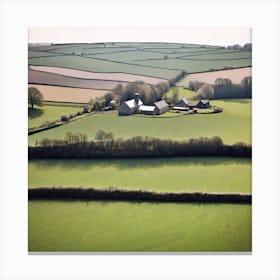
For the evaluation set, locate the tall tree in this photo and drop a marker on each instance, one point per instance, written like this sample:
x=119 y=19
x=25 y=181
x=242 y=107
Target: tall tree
x=35 y=97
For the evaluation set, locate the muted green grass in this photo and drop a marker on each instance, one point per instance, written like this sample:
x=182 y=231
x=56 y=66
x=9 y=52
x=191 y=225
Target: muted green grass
x=163 y=175
x=232 y=125
x=193 y=66
x=40 y=115
x=189 y=94
x=96 y=65
x=121 y=226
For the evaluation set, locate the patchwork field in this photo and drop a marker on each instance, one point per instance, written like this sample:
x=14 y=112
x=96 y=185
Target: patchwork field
x=160 y=60
x=233 y=125
x=105 y=66
x=122 y=226
x=235 y=75
x=47 y=113
x=180 y=174
x=97 y=76
x=75 y=73
x=68 y=94
x=44 y=78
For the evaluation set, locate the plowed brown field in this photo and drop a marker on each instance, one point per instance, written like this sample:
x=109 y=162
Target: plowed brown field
x=68 y=94
x=235 y=75
x=44 y=78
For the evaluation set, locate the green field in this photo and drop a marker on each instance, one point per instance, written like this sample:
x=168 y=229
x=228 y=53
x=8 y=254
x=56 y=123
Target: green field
x=122 y=226
x=40 y=115
x=166 y=174
x=232 y=125
x=162 y=60
x=97 y=65
x=193 y=66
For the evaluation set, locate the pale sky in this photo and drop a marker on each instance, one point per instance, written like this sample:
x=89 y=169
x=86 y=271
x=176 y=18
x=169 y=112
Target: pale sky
x=207 y=36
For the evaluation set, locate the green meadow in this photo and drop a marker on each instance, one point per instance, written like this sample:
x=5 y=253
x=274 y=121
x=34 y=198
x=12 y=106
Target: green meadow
x=137 y=227
x=48 y=113
x=232 y=125
x=161 y=175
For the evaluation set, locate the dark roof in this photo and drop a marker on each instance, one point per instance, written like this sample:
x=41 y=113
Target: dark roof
x=161 y=104
x=185 y=100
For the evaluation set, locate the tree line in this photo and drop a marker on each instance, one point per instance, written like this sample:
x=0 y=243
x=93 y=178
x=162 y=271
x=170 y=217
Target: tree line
x=222 y=88
x=137 y=195
x=105 y=145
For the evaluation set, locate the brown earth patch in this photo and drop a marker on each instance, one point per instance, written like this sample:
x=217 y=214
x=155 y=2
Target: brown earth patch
x=44 y=78
x=68 y=94
x=235 y=75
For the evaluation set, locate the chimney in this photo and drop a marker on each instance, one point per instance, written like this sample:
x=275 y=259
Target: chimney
x=136 y=98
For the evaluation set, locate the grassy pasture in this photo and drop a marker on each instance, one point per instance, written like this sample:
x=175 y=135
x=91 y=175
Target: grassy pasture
x=97 y=65
x=121 y=226
x=100 y=76
x=161 y=175
x=47 y=113
x=69 y=94
x=232 y=125
x=192 y=66
x=39 y=54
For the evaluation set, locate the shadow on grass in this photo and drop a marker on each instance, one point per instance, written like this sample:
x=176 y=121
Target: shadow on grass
x=123 y=164
x=35 y=113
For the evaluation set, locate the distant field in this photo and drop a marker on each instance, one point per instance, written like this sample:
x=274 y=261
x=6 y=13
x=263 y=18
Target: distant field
x=68 y=94
x=122 y=226
x=180 y=174
x=97 y=65
x=38 y=77
x=100 y=76
x=47 y=113
x=192 y=66
x=40 y=54
x=160 y=60
x=235 y=75
x=232 y=125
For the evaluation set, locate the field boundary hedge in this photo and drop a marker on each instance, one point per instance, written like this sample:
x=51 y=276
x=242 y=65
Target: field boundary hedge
x=78 y=193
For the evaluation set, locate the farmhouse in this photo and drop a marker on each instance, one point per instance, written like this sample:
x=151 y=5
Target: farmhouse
x=131 y=106
x=203 y=103
x=182 y=105
x=161 y=107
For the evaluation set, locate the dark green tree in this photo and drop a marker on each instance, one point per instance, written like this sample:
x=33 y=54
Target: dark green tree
x=35 y=97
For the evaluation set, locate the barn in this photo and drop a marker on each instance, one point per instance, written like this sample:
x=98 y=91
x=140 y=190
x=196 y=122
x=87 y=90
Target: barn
x=161 y=107
x=182 y=105
x=131 y=106
x=203 y=103
x=147 y=110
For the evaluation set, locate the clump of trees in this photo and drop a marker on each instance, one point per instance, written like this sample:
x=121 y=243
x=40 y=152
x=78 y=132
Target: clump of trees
x=148 y=93
x=106 y=145
x=224 y=88
x=247 y=47
x=35 y=97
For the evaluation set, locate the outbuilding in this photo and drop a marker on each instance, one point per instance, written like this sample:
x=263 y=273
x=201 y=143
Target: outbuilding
x=161 y=107
x=203 y=103
x=183 y=103
x=147 y=110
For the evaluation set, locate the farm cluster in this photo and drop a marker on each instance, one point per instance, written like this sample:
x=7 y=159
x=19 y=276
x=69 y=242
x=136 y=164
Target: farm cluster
x=75 y=145
x=135 y=106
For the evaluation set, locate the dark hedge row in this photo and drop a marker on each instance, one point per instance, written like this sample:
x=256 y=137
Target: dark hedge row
x=138 y=147
x=139 y=195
